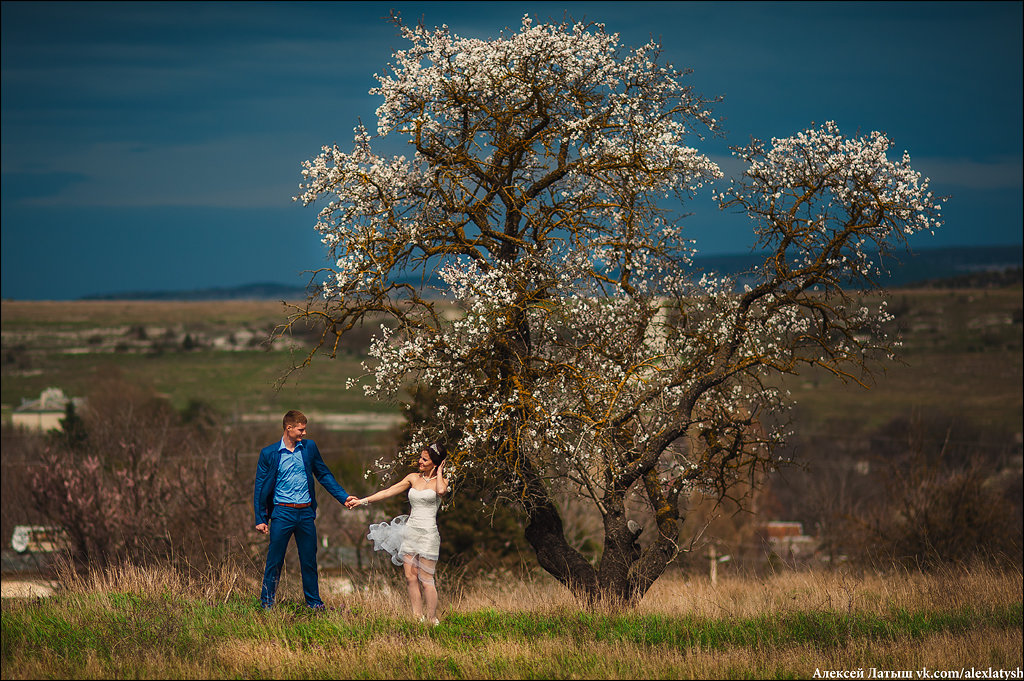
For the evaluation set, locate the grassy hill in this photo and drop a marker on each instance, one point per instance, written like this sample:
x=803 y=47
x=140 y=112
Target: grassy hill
x=962 y=353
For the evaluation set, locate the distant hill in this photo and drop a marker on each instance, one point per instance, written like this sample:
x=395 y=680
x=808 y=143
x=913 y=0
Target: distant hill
x=956 y=267
x=259 y=291
x=935 y=267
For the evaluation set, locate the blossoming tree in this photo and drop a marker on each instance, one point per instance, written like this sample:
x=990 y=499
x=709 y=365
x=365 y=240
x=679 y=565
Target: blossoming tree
x=543 y=172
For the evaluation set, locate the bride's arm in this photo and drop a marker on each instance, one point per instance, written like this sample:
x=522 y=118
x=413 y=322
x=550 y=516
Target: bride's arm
x=440 y=484
x=396 y=489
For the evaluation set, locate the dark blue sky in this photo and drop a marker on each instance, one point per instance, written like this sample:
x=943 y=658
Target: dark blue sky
x=153 y=146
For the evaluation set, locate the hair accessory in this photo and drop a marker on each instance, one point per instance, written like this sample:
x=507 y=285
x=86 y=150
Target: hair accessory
x=433 y=448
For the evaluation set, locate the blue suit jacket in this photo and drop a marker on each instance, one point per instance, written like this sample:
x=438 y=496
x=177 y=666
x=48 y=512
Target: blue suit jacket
x=266 y=478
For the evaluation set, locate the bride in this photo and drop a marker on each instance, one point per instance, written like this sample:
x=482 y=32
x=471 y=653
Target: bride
x=413 y=540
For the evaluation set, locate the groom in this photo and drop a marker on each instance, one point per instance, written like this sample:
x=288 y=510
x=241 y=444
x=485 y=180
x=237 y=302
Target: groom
x=285 y=504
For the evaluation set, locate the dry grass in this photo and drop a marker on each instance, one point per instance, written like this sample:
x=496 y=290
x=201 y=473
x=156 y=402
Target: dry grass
x=130 y=622
x=674 y=595
x=838 y=591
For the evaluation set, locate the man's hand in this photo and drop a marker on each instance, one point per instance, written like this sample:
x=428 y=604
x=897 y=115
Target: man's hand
x=351 y=502
x=263 y=527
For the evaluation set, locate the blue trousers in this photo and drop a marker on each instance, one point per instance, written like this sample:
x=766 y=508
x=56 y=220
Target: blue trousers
x=286 y=523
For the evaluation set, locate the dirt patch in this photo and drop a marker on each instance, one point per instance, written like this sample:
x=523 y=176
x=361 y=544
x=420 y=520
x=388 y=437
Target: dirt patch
x=17 y=588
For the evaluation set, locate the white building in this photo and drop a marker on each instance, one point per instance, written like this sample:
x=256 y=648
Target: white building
x=46 y=412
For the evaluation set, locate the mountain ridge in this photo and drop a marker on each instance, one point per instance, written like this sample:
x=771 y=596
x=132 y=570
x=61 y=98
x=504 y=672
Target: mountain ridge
x=924 y=267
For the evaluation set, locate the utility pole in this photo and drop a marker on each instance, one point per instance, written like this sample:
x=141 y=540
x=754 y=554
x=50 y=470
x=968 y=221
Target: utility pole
x=713 y=557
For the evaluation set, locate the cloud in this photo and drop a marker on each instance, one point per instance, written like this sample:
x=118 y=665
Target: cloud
x=997 y=174
x=241 y=172
x=1005 y=173
x=32 y=185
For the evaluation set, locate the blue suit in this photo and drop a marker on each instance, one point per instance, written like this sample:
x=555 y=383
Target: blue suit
x=285 y=521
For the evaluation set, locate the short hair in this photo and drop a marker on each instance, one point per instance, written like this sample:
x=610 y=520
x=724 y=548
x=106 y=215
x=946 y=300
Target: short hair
x=293 y=417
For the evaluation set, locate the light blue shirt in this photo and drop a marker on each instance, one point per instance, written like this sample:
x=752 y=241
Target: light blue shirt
x=292 y=484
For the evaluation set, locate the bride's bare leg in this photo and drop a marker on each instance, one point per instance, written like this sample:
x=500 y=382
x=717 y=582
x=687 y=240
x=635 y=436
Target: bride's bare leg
x=412 y=580
x=426 y=578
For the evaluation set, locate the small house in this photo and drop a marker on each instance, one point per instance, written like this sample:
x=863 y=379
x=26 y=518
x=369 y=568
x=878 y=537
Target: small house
x=787 y=539
x=46 y=412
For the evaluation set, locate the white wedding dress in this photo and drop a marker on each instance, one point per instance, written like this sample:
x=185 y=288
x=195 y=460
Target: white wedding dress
x=409 y=538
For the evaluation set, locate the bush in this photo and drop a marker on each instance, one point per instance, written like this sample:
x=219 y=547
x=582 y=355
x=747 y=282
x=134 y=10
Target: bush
x=130 y=480
x=922 y=491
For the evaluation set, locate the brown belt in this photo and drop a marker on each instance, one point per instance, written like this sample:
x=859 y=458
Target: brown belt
x=296 y=505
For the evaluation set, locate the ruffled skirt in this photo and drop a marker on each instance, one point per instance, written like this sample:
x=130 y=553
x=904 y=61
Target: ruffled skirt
x=388 y=537
x=400 y=539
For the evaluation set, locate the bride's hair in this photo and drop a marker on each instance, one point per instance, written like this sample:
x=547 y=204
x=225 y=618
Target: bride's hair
x=436 y=452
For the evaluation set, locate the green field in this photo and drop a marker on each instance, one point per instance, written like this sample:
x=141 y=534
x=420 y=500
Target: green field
x=70 y=345
x=231 y=382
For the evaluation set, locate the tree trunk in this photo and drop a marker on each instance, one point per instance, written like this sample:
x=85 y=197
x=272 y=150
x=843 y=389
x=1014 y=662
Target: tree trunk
x=625 y=573
x=621 y=553
x=624 y=576
x=545 y=533
x=667 y=522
